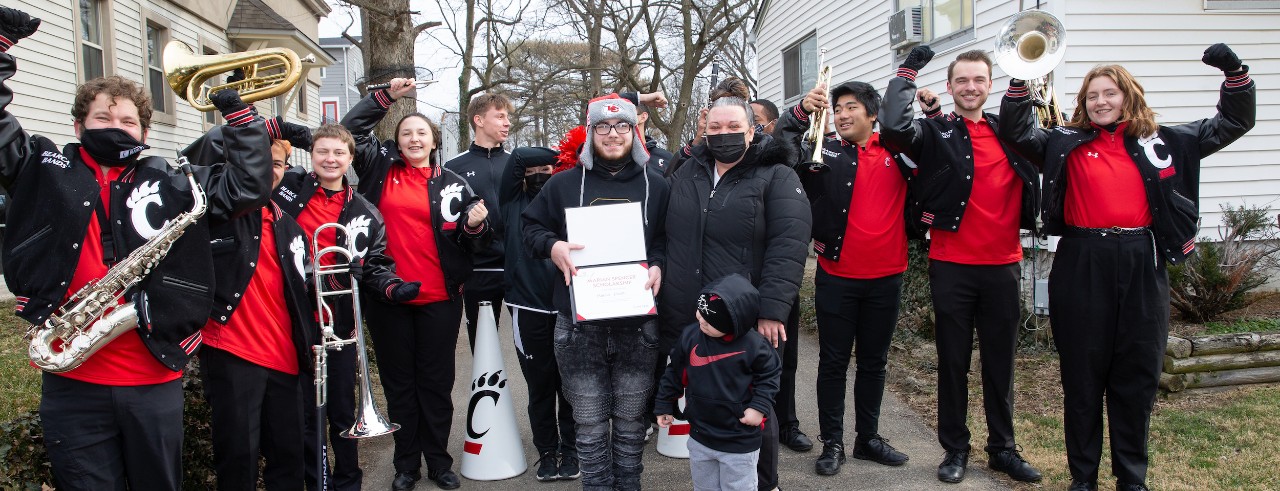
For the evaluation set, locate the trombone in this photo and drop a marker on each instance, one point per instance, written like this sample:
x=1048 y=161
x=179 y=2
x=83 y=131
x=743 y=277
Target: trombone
x=1029 y=46
x=818 y=120
x=369 y=420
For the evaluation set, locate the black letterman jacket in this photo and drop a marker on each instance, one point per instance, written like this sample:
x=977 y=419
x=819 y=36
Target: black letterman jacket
x=1168 y=161
x=359 y=216
x=941 y=148
x=53 y=197
x=831 y=192
x=451 y=196
x=235 y=252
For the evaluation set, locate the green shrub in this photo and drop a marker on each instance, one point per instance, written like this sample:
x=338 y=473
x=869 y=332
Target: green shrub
x=915 y=317
x=1221 y=274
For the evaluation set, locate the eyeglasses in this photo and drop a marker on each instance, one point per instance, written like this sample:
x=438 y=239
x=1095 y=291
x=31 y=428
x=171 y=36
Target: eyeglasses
x=602 y=129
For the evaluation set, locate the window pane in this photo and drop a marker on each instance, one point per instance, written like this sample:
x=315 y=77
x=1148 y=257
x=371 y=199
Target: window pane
x=950 y=16
x=159 y=89
x=153 y=45
x=92 y=58
x=91 y=31
x=791 y=72
x=808 y=63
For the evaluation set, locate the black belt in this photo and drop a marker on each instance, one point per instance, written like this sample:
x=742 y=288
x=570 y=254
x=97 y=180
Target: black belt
x=1103 y=232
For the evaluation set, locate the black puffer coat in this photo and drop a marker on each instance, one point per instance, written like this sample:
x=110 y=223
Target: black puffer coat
x=755 y=222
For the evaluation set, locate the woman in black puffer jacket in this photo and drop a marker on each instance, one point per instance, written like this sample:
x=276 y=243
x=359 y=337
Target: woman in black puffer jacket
x=736 y=207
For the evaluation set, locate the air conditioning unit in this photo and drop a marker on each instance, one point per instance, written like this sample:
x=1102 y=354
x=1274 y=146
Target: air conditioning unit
x=906 y=27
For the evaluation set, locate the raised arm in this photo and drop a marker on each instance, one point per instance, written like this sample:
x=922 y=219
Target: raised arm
x=1018 y=123
x=366 y=115
x=898 y=127
x=242 y=182
x=1237 y=103
x=15 y=145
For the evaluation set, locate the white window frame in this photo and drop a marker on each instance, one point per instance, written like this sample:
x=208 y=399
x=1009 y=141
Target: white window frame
x=209 y=119
x=950 y=40
x=105 y=37
x=166 y=113
x=803 y=83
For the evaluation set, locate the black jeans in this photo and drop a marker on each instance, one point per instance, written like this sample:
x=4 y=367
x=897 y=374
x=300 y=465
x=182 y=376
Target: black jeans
x=982 y=298
x=415 y=346
x=606 y=372
x=254 y=409
x=339 y=416
x=850 y=310
x=533 y=333
x=112 y=437
x=1109 y=303
x=482 y=286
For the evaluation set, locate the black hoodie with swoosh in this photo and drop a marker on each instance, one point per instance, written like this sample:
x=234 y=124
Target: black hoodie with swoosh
x=722 y=377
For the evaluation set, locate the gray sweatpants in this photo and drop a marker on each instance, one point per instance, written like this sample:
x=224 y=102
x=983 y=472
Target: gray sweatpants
x=714 y=470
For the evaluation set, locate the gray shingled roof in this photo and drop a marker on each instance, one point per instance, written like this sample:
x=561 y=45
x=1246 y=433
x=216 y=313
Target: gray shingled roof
x=253 y=14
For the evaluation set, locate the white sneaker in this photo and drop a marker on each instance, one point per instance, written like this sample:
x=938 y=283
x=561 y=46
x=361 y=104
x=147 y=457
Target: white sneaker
x=648 y=433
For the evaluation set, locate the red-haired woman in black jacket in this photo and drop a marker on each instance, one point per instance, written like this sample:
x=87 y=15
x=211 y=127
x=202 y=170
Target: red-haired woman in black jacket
x=1122 y=192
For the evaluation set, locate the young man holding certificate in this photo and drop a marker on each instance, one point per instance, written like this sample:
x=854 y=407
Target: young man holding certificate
x=606 y=363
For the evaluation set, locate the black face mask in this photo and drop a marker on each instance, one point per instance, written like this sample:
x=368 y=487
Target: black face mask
x=533 y=182
x=111 y=146
x=727 y=148
x=613 y=166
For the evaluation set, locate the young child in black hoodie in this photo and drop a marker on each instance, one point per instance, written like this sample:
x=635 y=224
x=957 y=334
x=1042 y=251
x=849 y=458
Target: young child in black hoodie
x=729 y=374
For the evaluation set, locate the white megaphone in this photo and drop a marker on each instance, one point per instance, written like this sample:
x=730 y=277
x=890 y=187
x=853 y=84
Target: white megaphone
x=492 y=449
x=673 y=441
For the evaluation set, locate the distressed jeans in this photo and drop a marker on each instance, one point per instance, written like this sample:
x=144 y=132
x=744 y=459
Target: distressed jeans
x=607 y=375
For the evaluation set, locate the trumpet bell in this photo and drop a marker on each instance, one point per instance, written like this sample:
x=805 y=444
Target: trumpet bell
x=1030 y=44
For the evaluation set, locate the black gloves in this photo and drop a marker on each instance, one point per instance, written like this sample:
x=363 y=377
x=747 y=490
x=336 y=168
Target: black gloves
x=918 y=58
x=236 y=76
x=16 y=24
x=298 y=135
x=1221 y=57
x=405 y=291
x=235 y=111
x=356 y=268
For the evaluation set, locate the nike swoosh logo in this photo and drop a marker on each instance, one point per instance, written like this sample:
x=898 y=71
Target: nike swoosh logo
x=698 y=361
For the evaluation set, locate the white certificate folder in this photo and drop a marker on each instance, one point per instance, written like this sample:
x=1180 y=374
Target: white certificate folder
x=612 y=265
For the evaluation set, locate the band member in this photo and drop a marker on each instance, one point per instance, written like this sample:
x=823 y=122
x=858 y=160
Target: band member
x=737 y=207
x=860 y=236
x=434 y=224
x=482 y=165
x=257 y=341
x=76 y=212
x=529 y=282
x=315 y=198
x=975 y=195
x=606 y=368
x=1108 y=175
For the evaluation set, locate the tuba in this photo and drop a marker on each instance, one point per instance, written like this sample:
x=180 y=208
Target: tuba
x=82 y=325
x=267 y=73
x=817 y=132
x=1029 y=46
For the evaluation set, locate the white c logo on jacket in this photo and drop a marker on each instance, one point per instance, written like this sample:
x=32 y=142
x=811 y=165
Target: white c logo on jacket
x=299 y=249
x=1149 y=146
x=146 y=194
x=451 y=193
x=356 y=227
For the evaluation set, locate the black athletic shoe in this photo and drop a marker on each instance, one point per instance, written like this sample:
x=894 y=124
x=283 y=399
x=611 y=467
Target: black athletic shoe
x=828 y=464
x=548 y=468
x=1010 y=462
x=569 y=466
x=877 y=449
x=953 y=466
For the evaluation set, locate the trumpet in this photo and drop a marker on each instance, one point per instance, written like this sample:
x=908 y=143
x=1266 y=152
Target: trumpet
x=1029 y=46
x=267 y=73
x=818 y=120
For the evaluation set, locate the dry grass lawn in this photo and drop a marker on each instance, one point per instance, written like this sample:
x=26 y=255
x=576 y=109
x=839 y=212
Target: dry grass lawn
x=19 y=381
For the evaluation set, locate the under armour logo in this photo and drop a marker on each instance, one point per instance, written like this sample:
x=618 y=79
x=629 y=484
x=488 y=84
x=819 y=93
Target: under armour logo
x=1092 y=154
x=471 y=173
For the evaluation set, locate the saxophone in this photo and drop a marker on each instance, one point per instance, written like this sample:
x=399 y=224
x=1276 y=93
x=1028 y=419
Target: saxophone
x=79 y=328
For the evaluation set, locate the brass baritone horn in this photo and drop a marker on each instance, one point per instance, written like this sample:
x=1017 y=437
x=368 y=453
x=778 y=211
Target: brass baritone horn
x=1029 y=46
x=267 y=73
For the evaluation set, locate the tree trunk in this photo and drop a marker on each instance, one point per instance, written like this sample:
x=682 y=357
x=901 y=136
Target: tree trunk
x=1245 y=376
x=1222 y=362
x=388 y=48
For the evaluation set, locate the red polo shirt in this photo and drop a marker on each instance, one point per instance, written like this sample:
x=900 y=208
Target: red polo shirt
x=411 y=242
x=259 y=331
x=125 y=360
x=875 y=237
x=1104 y=187
x=988 y=233
x=322 y=209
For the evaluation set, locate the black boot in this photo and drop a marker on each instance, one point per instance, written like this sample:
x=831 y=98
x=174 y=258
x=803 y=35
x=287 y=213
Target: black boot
x=795 y=439
x=832 y=457
x=1082 y=486
x=953 y=466
x=1010 y=462
x=444 y=479
x=877 y=449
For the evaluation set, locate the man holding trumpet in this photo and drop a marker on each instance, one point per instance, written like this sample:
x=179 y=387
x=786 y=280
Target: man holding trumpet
x=860 y=234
